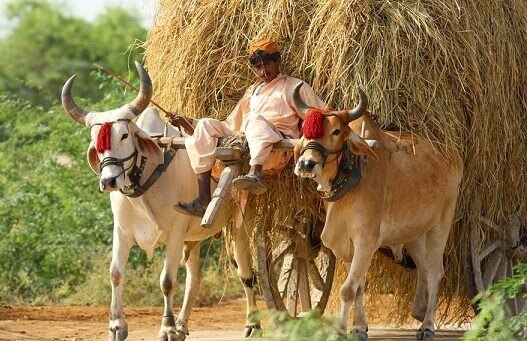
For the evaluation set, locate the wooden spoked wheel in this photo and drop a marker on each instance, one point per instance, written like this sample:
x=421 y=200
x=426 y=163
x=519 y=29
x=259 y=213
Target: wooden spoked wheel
x=296 y=270
x=493 y=253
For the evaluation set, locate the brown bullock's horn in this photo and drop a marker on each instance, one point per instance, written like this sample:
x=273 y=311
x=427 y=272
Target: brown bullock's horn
x=297 y=100
x=359 y=109
x=145 y=91
x=76 y=112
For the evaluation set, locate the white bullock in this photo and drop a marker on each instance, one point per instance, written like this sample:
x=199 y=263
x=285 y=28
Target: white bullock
x=124 y=156
x=405 y=195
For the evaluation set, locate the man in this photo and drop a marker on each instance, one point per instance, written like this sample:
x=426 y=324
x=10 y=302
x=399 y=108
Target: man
x=265 y=114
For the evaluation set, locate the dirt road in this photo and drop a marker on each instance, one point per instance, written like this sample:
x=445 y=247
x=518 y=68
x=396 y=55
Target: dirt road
x=75 y=323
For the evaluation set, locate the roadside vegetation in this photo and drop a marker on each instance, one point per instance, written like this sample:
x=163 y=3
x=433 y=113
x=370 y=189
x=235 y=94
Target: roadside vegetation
x=55 y=226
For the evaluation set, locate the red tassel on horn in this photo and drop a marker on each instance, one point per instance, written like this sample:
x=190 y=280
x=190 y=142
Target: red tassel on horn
x=313 y=127
x=104 y=139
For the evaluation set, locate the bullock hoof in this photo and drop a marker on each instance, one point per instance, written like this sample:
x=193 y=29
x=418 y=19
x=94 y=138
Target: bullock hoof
x=425 y=334
x=172 y=335
x=193 y=208
x=252 y=330
x=340 y=336
x=250 y=183
x=358 y=335
x=118 y=333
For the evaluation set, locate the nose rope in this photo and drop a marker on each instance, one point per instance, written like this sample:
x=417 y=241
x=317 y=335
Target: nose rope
x=112 y=161
x=321 y=149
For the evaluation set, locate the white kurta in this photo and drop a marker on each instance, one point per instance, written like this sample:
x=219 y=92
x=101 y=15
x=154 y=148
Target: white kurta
x=265 y=114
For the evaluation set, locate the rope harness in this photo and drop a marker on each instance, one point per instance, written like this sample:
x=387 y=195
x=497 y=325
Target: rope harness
x=349 y=172
x=135 y=172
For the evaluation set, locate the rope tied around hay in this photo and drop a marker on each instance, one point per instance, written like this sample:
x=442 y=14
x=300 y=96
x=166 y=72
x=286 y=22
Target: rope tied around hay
x=313 y=127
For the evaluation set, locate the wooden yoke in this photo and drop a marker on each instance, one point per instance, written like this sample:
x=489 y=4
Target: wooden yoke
x=230 y=156
x=179 y=143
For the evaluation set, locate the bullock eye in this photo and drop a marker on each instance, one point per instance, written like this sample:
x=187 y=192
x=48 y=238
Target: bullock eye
x=336 y=132
x=125 y=135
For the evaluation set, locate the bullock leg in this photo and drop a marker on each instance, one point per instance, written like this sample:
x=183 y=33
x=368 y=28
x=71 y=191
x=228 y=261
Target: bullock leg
x=435 y=245
x=242 y=254
x=360 y=324
x=350 y=288
x=168 y=280
x=192 y=283
x=417 y=250
x=118 y=328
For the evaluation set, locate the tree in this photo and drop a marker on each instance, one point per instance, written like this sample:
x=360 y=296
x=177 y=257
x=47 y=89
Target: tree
x=46 y=46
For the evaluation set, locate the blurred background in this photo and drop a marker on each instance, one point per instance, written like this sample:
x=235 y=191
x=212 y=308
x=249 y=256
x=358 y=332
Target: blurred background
x=55 y=227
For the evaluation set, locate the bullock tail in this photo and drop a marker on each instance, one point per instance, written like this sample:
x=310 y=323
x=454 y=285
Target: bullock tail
x=407 y=261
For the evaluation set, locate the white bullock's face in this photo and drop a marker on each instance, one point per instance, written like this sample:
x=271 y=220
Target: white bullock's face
x=117 y=158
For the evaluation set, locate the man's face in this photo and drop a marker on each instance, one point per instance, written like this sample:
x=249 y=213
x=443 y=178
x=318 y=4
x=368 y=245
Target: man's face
x=267 y=70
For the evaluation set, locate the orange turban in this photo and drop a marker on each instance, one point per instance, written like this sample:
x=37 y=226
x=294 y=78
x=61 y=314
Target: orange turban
x=266 y=45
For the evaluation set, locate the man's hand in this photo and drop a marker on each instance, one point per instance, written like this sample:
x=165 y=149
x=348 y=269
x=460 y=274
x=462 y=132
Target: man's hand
x=181 y=121
x=374 y=117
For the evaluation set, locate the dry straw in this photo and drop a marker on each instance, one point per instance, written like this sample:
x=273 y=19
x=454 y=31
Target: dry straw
x=454 y=71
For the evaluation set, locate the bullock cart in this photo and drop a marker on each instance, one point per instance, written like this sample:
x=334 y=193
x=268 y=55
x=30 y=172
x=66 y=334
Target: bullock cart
x=295 y=270
x=493 y=252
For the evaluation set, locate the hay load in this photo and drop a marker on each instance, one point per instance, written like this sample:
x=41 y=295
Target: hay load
x=452 y=71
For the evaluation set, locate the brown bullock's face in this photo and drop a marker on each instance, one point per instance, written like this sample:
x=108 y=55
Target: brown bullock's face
x=318 y=158
x=312 y=161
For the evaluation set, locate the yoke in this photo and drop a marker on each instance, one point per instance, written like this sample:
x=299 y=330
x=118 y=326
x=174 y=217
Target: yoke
x=229 y=156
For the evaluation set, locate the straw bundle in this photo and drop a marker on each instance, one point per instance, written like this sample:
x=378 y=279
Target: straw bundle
x=453 y=70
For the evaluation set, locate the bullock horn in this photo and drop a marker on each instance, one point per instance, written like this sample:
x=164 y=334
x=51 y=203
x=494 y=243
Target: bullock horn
x=145 y=91
x=76 y=112
x=360 y=108
x=297 y=100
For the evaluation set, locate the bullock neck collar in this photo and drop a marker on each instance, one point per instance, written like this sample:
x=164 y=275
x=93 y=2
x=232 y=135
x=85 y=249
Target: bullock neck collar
x=348 y=175
x=136 y=189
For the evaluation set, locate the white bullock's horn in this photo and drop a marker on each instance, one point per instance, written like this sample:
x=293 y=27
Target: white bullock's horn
x=298 y=101
x=144 y=96
x=360 y=108
x=76 y=112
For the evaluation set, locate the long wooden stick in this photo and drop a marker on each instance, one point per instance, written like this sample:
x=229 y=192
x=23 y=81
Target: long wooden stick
x=114 y=75
x=174 y=119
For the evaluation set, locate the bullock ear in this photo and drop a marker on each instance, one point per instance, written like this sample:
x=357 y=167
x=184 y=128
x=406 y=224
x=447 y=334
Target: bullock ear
x=298 y=148
x=359 y=147
x=93 y=159
x=148 y=147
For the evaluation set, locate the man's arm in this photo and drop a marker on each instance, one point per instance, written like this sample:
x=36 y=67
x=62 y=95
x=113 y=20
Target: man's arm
x=235 y=118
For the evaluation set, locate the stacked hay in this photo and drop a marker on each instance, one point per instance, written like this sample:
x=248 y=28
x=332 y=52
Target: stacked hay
x=453 y=70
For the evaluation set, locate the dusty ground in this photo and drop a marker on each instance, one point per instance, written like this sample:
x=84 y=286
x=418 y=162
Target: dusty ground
x=222 y=322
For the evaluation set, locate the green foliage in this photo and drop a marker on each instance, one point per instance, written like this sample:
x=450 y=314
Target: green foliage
x=52 y=217
x=494 y=320
x=56 y=228
x=142 y=280
x=312 y=326
x=47 y=45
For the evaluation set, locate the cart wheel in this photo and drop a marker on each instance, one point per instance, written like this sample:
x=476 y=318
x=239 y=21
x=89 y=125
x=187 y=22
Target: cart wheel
x=494 y=251
x=296 y=270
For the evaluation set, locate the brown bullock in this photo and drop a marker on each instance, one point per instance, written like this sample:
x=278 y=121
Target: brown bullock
x=397 y=190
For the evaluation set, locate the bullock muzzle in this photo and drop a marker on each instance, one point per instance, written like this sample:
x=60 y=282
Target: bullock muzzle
x=113 y=172
x=311 y=166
